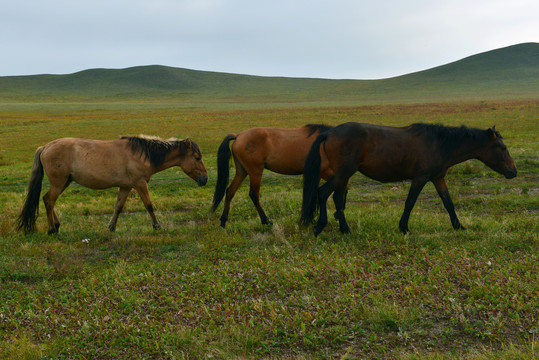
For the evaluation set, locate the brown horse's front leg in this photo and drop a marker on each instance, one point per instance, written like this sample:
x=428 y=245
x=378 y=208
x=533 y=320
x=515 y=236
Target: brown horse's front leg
x=144 y=194
x=415 y=189
x=441 y=188
x=120 y=202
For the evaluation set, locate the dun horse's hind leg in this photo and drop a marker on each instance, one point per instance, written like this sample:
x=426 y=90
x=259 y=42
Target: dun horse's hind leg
x=415 y=189
x=120 y=202
x=50 y=199
x=241 y=174
x=441 y=187
x=142 y=189
x=254 y=194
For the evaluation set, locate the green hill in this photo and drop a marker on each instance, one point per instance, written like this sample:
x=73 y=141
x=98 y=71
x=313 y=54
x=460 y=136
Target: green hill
x=507 y=73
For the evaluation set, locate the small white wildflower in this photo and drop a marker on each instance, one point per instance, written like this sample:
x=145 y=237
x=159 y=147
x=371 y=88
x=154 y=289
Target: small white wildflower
x=489 y=263
x=86 y=241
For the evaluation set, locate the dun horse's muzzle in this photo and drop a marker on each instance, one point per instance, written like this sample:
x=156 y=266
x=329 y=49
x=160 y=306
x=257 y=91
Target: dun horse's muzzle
x=202 y=180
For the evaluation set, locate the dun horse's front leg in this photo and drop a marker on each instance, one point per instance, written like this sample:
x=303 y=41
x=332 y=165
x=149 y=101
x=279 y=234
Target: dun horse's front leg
x=120 y=202
x=144 y=194
x=441 y=188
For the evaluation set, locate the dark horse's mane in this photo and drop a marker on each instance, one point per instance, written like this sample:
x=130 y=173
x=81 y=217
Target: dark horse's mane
x=449 y=138
x=317 y=127
x=155 y=149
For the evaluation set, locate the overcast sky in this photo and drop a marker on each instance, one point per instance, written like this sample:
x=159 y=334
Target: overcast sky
x=354 y=39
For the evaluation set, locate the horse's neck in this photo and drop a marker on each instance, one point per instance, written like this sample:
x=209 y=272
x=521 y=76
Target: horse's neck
x=465 y=152
x=171 y=159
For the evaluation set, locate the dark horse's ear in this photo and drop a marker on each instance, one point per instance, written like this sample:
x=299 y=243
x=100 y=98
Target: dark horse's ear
x=189 y=143
x=492 y=132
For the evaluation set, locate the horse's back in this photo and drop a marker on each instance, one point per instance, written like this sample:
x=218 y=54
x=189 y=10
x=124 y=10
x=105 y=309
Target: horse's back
x=383 y=153
x=280 y=150
x=97 y=164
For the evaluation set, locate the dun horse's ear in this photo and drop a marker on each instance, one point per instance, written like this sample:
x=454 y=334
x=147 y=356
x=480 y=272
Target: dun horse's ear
x=189 y=143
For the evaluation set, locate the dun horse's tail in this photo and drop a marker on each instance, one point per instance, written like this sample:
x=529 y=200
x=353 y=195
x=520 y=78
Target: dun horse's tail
x=311 y=179
x=223 y=170
x=27 y=219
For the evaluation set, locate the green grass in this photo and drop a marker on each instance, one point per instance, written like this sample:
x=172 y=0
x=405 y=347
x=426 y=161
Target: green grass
x=194 y=290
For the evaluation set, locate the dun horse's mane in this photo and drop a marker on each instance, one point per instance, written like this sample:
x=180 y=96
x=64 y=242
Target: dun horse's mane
x=449 y=138
x=317 y=127
x=155 y=149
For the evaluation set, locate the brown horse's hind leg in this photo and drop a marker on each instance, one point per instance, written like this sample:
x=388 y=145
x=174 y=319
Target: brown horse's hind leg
x=142 y=189
x=441 y=188
x=50 y=200
x=120 y=202
x=254 y=194
x=241 y=174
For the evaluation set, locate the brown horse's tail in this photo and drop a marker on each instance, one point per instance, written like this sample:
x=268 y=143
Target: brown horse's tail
x=311 y=179
x=27 y=219
x=223 y=170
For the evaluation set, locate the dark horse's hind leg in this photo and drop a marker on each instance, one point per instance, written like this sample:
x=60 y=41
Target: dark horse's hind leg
x=415 y=189
x=441 y=188
x=323 y=194
x=339 y=197
x=254 y=194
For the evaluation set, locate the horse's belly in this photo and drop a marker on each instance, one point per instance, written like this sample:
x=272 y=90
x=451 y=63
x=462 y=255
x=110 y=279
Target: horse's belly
x=385 y=175
x=99 y=181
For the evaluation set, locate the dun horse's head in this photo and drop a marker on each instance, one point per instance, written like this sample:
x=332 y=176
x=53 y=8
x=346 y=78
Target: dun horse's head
x=495 y=155
x=192 y=164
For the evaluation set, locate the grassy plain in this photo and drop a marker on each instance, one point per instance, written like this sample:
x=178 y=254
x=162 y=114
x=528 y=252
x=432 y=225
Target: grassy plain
x=196 y=291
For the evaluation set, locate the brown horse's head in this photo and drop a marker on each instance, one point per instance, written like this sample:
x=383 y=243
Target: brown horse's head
x=191 y=162
x=495 y=155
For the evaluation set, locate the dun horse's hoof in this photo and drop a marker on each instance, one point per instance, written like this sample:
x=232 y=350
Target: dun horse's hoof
x=52 y=231
x=157 y=226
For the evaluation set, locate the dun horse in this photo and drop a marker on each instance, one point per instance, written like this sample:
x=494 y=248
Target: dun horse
x=280 y=150
x=419 y=152
x=126 y=163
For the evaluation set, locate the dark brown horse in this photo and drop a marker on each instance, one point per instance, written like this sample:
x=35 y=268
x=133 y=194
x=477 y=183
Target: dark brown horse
x=126 y=163
x=418 y=152
x=280 y=150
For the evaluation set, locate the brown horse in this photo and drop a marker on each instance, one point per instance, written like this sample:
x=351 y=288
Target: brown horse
x=126 y=163
x=280 y=150
x=419 y=152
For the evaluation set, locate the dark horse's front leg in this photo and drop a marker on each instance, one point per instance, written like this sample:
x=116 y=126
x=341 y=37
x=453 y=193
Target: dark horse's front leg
x=415 y=189
x=441 y=187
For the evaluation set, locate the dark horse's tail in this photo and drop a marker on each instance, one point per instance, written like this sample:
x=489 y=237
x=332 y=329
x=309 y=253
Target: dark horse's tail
x=311 y=179
x=27 y=219
x=223 y=163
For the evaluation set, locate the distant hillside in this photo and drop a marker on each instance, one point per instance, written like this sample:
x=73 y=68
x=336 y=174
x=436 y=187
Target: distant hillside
x=507 y=73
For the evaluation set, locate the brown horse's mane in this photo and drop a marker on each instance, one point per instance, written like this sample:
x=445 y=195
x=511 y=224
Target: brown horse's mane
x=449 y=138
x=155 y=149
x=317 y=127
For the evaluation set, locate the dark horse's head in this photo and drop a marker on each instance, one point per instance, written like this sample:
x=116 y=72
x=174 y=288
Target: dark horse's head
x=495 y=155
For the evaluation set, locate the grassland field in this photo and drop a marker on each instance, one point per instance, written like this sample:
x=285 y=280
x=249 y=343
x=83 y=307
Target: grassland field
x=196 y=291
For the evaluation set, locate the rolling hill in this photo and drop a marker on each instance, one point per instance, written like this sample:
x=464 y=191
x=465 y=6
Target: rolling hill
x=507 y=73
